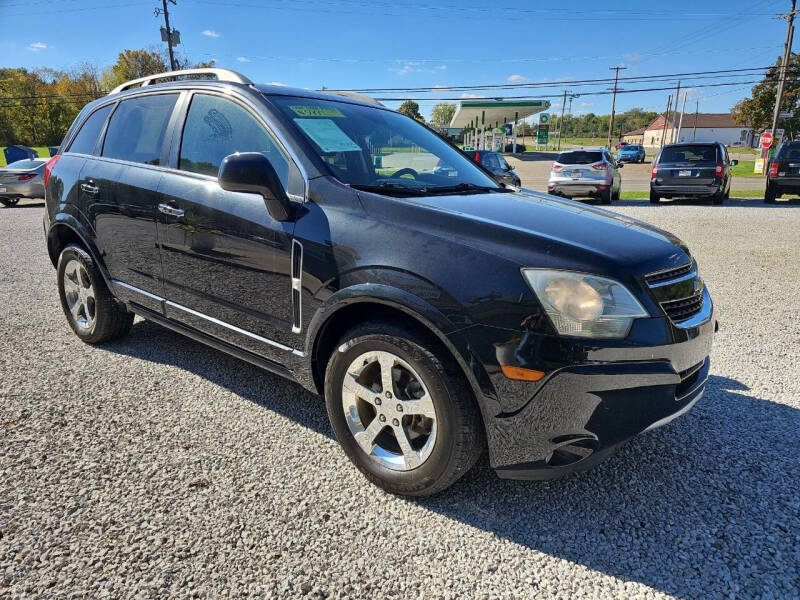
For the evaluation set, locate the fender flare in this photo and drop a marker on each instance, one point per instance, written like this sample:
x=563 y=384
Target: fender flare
x=414 y=307
x=71 y=222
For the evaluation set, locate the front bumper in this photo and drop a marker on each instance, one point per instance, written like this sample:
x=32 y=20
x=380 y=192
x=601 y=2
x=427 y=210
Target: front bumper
x=595 y=397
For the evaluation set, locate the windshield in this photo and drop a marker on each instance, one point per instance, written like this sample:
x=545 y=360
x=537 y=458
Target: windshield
x=630 y=148
x=372 y=148
x=581 y=157
x=689 y=154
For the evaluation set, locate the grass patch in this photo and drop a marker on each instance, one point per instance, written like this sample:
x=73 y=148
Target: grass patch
x=42 y=150
x=644 y=195
x=745 y=169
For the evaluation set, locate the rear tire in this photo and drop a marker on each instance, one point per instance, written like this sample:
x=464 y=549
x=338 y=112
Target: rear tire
x=769 y=194
x=718 y=198
x=654 y=198
x=91 y=310
x=9 y=201
x=415 y=451
x=606 y=196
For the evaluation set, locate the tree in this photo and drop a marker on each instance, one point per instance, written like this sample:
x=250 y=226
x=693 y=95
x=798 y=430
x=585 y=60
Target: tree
x=756 y=111
x=411 y=109
x=132 y=64
x=442 y=114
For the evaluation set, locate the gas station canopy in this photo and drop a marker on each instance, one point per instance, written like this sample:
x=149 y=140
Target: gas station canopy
x=488 y=113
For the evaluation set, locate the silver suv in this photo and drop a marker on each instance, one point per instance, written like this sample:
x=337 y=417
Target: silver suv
x=586 y=173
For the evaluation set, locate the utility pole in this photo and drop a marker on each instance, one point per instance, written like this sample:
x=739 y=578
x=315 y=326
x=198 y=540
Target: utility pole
x=571 y=96
x=675 y=113
x=561 y=120
x=787 y=50
x=680 y=121
x=165 y=12
x=666 y=118
x=613 y=103
x=696 y=114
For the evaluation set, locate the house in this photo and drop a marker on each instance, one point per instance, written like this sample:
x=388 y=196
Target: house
x=703 y=127
x=634 y=137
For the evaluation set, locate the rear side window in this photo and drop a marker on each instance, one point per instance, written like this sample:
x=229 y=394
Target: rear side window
x=790 y=151
x=216 y=127
x=86 y=139
x=136 y=130
x=581 y=157
x=490 y=160
x=690 y=153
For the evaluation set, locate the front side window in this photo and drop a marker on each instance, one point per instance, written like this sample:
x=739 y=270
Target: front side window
x=85 y=141
x=380 y=150
x=216 y=127
x=137 y=128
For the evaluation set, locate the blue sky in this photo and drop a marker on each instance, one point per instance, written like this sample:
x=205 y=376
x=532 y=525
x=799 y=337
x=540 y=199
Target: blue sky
x=380 y=43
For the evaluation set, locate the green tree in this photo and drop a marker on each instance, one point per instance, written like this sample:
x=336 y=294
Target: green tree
x=411 y=109
x=756 y=111
x=132 y=64
x=442 y=114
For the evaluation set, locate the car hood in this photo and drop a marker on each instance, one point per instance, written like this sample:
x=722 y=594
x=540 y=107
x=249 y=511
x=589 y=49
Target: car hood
x=517 y=223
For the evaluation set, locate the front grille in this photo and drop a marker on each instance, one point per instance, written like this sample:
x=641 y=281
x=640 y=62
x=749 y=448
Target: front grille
x=668 y=275
x=683 y=308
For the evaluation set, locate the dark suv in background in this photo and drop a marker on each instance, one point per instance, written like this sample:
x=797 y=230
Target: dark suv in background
x=437 y=311
x=696 y=170
x=783 y=176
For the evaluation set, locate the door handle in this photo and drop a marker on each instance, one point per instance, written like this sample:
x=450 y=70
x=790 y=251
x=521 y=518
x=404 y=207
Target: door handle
x=170 y=210
x=89 y=188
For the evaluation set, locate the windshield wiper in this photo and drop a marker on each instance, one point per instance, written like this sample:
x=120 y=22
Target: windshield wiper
x=467 y=187
x=388 y=186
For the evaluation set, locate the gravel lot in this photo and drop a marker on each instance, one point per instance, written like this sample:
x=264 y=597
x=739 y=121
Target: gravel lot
x=157 y=467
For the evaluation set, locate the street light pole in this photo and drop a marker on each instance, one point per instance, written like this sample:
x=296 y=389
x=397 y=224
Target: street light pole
x=613 y=103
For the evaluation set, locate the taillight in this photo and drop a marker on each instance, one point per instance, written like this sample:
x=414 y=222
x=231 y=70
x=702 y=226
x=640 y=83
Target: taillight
x=718 y=171
x=478 y=157
x=601 y=166
x=557 y=167
x=654 y=172
x=26 y=177
x=49 y=167
x=773 y=169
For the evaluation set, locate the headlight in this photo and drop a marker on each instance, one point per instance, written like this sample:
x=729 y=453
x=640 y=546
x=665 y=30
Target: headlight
x=585 y=305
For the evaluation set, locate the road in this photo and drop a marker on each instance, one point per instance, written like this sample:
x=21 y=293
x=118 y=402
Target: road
x=533 y=169
x=156 y=467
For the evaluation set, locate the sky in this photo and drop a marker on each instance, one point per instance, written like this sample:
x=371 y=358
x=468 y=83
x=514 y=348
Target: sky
x=378 y=43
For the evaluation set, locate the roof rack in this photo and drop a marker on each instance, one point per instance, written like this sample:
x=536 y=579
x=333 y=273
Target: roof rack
x=221 y=75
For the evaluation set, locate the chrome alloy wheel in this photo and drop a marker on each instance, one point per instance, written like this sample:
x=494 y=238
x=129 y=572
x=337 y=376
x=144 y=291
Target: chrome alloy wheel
x=389 y=410
x=79 y=294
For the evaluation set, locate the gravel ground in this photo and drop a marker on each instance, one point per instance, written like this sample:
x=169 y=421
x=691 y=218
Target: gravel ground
x=157 y=467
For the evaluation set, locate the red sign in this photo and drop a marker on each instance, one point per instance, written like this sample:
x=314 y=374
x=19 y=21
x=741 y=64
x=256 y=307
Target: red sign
x=766 y=139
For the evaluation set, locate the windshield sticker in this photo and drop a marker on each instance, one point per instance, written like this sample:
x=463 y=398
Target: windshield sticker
x=316 y=111
x=327 y=135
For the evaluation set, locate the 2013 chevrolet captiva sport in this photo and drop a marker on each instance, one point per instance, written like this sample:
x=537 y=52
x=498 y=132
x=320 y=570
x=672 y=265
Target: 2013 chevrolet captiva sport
x=317 y=236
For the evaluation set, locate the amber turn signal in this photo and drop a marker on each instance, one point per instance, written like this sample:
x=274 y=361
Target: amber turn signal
x=522 y=374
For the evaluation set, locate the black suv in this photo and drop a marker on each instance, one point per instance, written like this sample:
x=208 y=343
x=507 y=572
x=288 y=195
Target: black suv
x=438 y=314
x=783 y=176
x=695 y=170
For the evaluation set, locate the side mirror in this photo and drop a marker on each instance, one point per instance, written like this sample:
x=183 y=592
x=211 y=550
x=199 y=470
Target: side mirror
x=619 y=164
x=510 y=167
x=734 y=162
x=251 y=172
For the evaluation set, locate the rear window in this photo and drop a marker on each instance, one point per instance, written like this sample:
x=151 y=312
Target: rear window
x=28 y=163
x=137 y=127
x=689 y=154
x=86 y=139
x=581 y=157
x=790 y=151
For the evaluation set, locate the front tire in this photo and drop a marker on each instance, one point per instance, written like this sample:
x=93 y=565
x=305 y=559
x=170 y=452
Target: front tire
x=91 y=310
x=401 y=409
